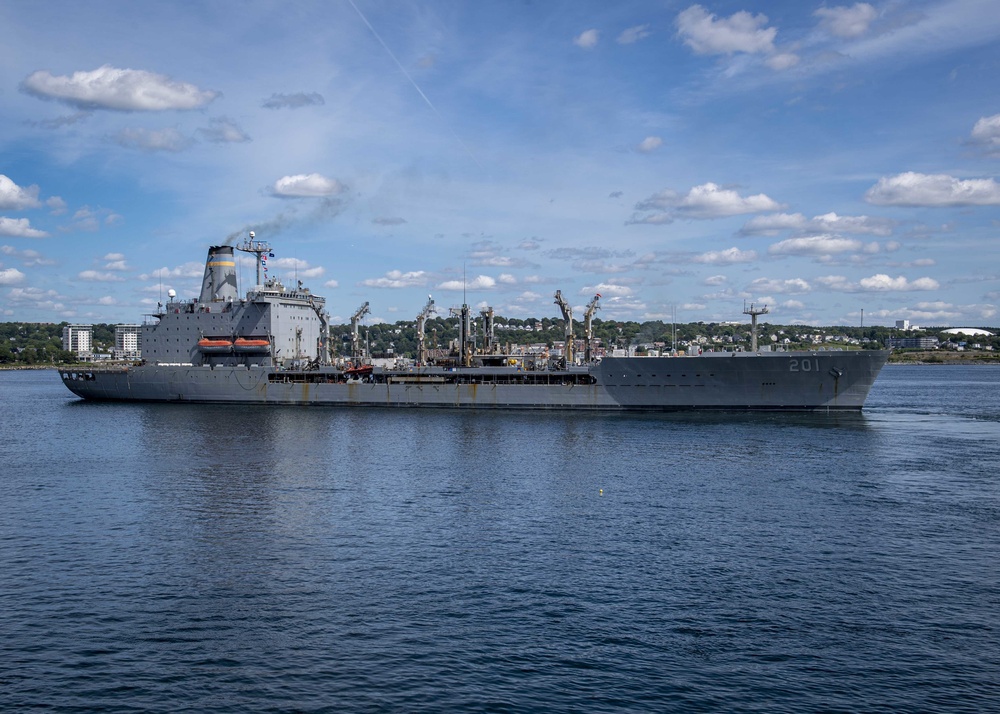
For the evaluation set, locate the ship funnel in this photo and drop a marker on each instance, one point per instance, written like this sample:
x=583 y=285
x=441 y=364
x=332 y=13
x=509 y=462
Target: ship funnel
x=220 y=275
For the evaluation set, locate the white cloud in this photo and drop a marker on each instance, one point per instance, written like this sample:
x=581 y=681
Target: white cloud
x=633 y=34
x=307 y=186
x=740 y=32
x=715 y=280
x=726 y=257
x=607 y=290
x=331 y=284
x=706 y=201
x=19 y=228
x=915 y=189
x=815 y=245
x=107 y=87
x=986 y=132
x=16 y=198
x=847 y=22
x=480 y=282
x=827 y=223
x=116 y=265
x=883 y=282
x=782 y=61
x=832 y=223
x=398 y=279
x=99 y=277
x=877 y=283
x=793 y=286
x=506 y=279
x=649 y=144
x=11 y=276
x=772 y=224
x=587 y=39
x=190 y=269
x=57 y=205
x=169 y=139
x=114 y=256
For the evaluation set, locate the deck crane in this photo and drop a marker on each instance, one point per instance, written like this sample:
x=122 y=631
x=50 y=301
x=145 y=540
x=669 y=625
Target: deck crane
x=355 y=338
x=421 y=322
x=567 y=312
x=588 y=317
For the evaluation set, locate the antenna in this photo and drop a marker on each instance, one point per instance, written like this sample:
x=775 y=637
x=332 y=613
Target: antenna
x=260 y=248
x=753 y=312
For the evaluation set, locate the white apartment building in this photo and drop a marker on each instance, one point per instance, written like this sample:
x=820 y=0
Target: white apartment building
x=78 y=339
x=127 y=345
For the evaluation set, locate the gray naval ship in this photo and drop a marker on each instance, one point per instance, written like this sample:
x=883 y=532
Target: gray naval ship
x=273 y=347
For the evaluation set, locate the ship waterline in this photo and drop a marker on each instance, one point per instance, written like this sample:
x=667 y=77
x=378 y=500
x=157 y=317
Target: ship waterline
x=272 y=347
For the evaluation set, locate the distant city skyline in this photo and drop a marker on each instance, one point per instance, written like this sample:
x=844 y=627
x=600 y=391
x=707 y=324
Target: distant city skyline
x=674 y=157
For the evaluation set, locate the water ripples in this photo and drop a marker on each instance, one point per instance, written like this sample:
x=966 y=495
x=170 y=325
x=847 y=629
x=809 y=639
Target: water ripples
x=205 y=558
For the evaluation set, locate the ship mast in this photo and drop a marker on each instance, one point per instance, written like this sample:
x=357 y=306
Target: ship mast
x=588 y=331
x=753 y=312
x=489 y=338
x=260 y=248
x=421 y=322
x=355 y=338
x=567 y=313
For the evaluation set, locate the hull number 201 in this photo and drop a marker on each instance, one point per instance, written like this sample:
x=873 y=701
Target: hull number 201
x=803 y=365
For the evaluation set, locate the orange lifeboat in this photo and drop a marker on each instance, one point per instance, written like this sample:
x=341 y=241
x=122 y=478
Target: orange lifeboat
x=215 y=345
x=251 y=344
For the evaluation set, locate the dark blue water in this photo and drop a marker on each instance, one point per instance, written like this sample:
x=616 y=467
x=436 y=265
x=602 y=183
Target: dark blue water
x=185 y=558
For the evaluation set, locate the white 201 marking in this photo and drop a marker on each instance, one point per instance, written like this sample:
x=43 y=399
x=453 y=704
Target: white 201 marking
x=803 y=365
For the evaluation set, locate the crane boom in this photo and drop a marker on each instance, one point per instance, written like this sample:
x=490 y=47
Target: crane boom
x=567 y=313
x=588 y=317
x=421 y=322
x=355 y=338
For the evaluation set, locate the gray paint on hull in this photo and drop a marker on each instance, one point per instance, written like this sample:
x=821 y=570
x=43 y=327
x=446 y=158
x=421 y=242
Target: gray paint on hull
x=768 y=381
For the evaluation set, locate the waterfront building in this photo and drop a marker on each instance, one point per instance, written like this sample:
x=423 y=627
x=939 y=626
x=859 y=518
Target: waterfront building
x=127 y=346
x=78 y=339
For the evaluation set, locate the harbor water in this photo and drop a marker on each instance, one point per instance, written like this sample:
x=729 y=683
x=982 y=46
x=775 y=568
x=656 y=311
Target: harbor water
x=251 y=559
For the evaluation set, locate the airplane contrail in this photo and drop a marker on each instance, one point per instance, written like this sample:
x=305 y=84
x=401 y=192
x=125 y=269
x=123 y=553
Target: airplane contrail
x=413 y=82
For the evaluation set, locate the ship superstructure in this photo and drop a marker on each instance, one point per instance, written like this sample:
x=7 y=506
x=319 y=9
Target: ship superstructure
x=273 y=347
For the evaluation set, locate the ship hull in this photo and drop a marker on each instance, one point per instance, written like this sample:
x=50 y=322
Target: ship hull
x=796 y=381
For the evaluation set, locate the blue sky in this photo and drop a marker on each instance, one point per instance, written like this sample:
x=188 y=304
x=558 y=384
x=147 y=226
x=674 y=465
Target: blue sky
x=823 y=159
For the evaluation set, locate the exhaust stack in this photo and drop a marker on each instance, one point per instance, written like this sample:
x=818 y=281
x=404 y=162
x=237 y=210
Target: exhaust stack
x=219 y=284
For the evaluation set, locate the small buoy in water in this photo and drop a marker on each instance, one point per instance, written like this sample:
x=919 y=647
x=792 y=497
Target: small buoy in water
x=602 y=491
